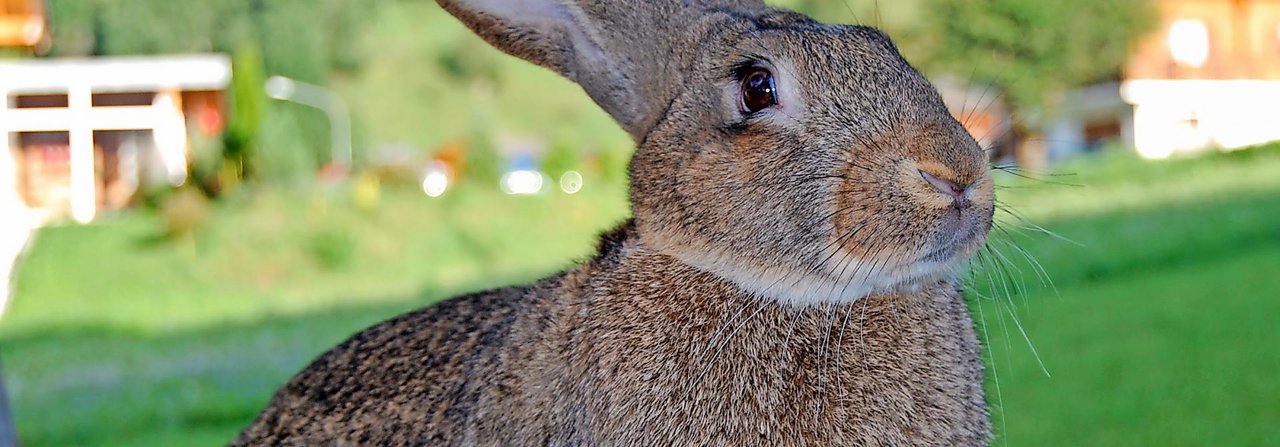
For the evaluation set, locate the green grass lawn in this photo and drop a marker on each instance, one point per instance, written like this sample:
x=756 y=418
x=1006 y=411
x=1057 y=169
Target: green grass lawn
x=118 y=338
x=1161 y=329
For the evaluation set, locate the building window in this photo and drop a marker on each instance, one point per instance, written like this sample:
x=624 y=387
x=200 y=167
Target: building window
x=1189 y=43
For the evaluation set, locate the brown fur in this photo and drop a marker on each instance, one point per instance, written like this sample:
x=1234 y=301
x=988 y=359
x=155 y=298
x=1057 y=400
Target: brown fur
x=788 y=279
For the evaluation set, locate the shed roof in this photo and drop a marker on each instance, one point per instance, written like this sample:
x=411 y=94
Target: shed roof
x=117 y=74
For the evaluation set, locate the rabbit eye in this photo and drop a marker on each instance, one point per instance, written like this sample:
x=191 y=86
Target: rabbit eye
x=758 y=91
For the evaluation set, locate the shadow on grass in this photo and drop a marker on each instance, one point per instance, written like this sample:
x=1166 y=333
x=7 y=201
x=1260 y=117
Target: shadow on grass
x=105 y=385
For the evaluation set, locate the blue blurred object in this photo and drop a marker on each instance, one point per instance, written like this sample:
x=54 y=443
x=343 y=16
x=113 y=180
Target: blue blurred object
x=523 y=162
x=523 y=178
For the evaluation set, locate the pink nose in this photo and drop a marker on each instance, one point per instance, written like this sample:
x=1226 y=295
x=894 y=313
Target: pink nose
x=948 y=187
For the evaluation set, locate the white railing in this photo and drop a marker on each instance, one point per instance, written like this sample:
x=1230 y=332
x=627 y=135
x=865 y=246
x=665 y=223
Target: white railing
x=80 y=79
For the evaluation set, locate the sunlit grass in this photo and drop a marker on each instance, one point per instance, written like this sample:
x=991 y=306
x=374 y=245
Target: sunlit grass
x=1158 y=327
x=117 y=336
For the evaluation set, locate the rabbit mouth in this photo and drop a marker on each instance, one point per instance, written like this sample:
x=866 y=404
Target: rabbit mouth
x=941 y=254
x=954 y=240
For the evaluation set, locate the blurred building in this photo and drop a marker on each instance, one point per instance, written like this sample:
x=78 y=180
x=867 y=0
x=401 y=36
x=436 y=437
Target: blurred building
x=1208 y=77
x=83 y=135
x=23 y=24
x=78 y=136
x=1211 y=77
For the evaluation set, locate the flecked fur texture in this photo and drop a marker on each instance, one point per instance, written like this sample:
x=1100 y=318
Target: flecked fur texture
x=789 y=277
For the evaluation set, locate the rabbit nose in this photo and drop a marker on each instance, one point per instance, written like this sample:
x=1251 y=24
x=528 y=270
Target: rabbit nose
x=952 y=189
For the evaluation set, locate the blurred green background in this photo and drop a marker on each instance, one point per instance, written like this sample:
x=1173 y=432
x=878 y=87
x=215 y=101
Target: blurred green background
x=1153 y=309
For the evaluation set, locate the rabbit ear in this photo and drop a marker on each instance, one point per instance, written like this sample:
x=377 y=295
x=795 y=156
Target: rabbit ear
x=612 y=48
x=545 y=32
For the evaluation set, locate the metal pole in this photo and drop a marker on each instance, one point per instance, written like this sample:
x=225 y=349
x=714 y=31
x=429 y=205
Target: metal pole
x=311 y=95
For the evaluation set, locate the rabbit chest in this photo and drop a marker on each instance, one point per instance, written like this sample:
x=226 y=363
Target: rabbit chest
x=656 y=353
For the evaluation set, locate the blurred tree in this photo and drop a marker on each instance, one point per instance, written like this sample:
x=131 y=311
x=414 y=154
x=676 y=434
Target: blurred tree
x=467 y=60
x=284 y=156
x=1029 y=52
x=73 y=27
x=295 y=43
x=305 y=39
x=897 y=15
x=242 y=140
x=310 y=40
x=153 y=27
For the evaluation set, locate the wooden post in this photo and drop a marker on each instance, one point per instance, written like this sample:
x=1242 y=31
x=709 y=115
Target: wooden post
x=170 y=133
x=84 y=188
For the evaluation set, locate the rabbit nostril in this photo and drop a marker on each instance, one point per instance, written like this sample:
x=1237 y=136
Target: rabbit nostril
x=950 y=188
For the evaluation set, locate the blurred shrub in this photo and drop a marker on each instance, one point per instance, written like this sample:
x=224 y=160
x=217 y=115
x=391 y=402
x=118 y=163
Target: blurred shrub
x=562 y=158
x=332 y=248
x=285 y=155
x=206 y=170
x=484 y=166
x=466 y=61
x=185 y=213
x=243 y=137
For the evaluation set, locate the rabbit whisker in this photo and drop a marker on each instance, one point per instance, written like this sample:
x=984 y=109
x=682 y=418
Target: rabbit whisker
x=1038 y=268
x=995 y=370
x=1015 y=274
x=1010 y=307
x=993 y=271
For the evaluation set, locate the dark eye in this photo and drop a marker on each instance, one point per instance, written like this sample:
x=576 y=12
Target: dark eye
x=758 y=91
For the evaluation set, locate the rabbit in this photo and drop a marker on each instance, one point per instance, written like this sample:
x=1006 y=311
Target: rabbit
x=803 y=204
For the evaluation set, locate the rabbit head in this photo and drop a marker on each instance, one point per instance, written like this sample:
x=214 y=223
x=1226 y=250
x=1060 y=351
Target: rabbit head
x=802 y=161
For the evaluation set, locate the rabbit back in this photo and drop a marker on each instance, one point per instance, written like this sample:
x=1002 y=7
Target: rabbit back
x=414 y=379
